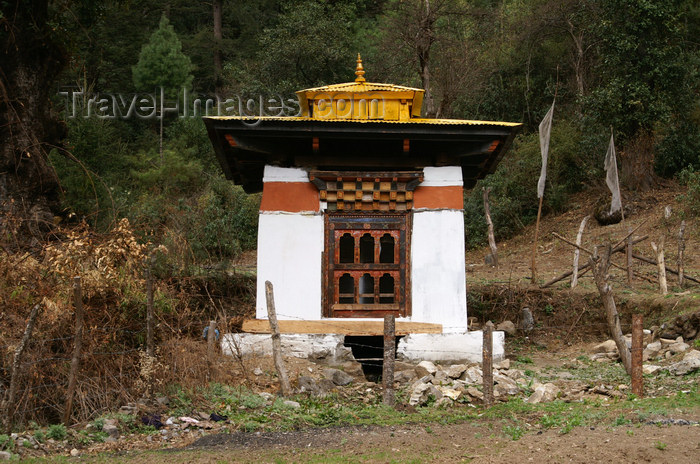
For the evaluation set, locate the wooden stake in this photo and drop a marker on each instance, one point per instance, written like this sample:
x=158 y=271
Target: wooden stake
x=285 y=387
x=577 y=252
x=150 y=347
x=8 y=405
x=630 y=272
x=600 y=265
x=681 y=251
x=533 y=265
x=637 y=351
x=211 y=346
x=489 y=222
x=487 y=363
x=77 y=346
x=659 y=251
x=389 y=355
x=644 y=259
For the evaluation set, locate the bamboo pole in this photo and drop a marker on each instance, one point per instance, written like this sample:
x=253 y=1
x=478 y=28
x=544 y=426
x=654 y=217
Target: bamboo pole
x=659 y=251
x=577 y=252
x=533 y=265
x=637 y=351
x=489 y=222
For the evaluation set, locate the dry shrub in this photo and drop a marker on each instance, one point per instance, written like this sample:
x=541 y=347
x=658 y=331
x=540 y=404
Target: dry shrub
x=184 y=362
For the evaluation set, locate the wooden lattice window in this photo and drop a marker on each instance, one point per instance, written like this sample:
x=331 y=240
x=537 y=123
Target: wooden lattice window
x=366 y=261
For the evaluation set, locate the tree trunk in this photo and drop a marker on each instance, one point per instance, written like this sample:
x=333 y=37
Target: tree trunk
x=600 y=265
x=31 y=60
x=218 y=37
x=659 y=252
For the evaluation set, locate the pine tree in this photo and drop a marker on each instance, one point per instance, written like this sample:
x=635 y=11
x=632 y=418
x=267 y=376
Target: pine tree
x=162 y=63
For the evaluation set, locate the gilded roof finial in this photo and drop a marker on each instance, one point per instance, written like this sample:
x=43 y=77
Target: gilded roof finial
x=360 y=71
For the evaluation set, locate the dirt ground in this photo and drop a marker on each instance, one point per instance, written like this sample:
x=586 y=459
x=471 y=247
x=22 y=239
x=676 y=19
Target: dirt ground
x=467 y=442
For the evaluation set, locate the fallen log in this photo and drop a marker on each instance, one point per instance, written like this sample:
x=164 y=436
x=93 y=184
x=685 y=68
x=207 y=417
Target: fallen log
x=566 y=274
x=644 y=259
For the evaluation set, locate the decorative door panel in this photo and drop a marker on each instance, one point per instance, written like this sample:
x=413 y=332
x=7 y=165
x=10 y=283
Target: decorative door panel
x=366 y=265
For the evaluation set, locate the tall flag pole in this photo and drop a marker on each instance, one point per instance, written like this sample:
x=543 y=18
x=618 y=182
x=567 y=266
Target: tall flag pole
x=611 y=178
x=545 y=130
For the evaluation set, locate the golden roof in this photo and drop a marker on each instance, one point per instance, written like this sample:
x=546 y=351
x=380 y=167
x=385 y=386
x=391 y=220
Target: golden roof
x=361 y=100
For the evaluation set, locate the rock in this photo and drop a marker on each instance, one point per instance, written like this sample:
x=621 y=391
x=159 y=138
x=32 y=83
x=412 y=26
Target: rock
x=111 y=430
x=678 y=347
x=307 y=384
x=650 y=368
x=505 y=385
x=325 y=386
x=502 y=365
x=338 y=377
x=404 y=376
x=129 y=409
x=74 y=452
x=257 y=371
x=444 y=402
x=690 y=363
x=111 y=422
x=419 y=394
x=450 y=393
x=527 y=322
x=490 y=260
x=667 y=341
x=514 y=374
x=455 y=371
x=651 y=351
x=472 y=376
x=507 y=327
x=475 y=393
x=441 y=378
x=607 y=346
x=163 y=400
x=291 y=404
x=425 y=368
x=543 y=393
x=5 y=456
x=267 y=396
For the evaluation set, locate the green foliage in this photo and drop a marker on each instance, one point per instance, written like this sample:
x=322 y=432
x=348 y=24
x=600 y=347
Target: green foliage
x=513 y=198
x=515 y=432
x=6 y=443
x=57 y=432
x=659 y=445
x=691 y=199
x=162 y=63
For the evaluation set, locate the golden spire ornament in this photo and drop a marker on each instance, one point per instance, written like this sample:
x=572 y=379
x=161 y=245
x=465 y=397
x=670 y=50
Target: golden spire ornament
x=360 y=71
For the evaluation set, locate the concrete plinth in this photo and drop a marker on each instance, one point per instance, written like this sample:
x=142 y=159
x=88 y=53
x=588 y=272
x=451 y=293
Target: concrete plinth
x=445 y=348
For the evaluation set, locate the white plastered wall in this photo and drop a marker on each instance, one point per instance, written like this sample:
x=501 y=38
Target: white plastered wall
x=289 y=256
x=438 y=287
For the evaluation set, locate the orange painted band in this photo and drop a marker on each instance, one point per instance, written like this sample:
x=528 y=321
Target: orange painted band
x=292 y=197
x=448 y=197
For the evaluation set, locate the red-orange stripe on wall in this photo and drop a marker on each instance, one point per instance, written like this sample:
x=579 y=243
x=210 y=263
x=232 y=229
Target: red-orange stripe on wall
x=292 y=197
x=447 y=197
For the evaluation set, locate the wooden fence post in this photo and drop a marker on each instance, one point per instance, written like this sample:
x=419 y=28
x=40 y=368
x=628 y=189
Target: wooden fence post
x=9 y=402
x=489 y=222
x=285 y=387
x=150 y=347
x=681 y=251
x=77 y=346
x=637 y=350
x=487 y=363
x=389 y=355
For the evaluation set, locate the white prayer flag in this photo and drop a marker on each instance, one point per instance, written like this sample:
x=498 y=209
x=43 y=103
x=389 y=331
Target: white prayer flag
x=611 y=177
x=545 y=130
